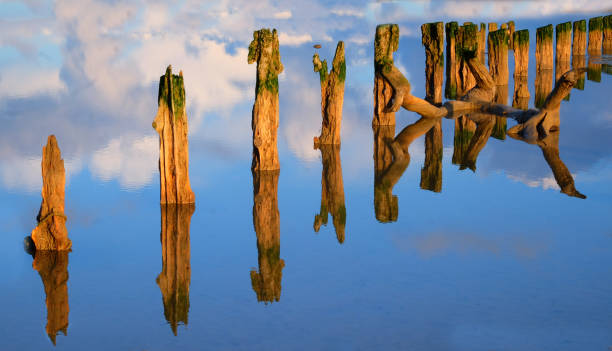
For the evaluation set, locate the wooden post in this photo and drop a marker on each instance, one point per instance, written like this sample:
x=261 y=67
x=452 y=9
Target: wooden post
x=464 y=131
x=332 y=96
x=594 y=70
x=171 y=125
x=466 y=47
x=544 y=48
x=563 y=35
x=607 y=35
x=52 y=266
x=175 y=277
x=386 y=43
x=482 y=42
x=579 y=62
x=433 y=41
x=521 y=94
x=332 y=191
x=498 y=56
x=266 y=219
x=51 y=232
x=431 y=173
x=595 y=36
x=264 y=50
x=385 y=203
x=450 y=92
x=511 y=29
x=492 y=28
x=579 y=38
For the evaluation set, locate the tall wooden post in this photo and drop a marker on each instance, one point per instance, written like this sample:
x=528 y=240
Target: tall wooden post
x=450 y=92
x=386 y=42
x=332 y=96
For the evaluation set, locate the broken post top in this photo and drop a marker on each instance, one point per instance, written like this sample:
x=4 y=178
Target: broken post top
x=544 y=34
x=499 y=38
x=520 y=38
x=595 y=24
x=172 y=93
x=338 y=65
x=264 y=50
x=386 y=42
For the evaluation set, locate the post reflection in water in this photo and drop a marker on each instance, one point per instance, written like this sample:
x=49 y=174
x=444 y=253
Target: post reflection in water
x=175 y=278
x=332 y=191
x=53 y=269
x=385 y=203
x=266 y=219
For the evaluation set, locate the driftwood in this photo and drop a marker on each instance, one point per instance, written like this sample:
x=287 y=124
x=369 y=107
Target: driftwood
x=332 y=192
x=175 y=277
x=266 y=219
x=51 y=232
x=332 y=96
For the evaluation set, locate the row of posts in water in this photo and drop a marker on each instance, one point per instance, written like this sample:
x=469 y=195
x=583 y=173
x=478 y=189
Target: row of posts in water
x=50 y=237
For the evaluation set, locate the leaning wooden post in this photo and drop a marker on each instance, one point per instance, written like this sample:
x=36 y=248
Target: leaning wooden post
x=386 y=42
x=466 y=46
x=171 y=125
x=520 y=40
x=332 y=192
x=332 y=96
x=175 y=277
x=563 y=49
x=498 y=56
x=595 y=35
x=544 y=48
x=264 y=50
x=450 y=92
x=266 y=219
x=51 y=232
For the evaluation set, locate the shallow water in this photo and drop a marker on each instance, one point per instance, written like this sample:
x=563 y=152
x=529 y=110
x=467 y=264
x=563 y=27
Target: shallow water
x=499 y=259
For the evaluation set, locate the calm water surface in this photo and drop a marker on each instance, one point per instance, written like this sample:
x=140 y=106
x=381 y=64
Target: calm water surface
x=498 y=260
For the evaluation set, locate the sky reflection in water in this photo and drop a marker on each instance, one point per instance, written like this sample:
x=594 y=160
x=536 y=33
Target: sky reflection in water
x=498 y=260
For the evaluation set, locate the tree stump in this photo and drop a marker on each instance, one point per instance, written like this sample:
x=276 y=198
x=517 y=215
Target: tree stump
x=171 y=125
x=386 y=42
x=332 y=96
x=450 y=92
x=595 y=36
x=264 y=50
x=51 y=232
x=266 y=219
x=544 y=48
x=385 y=203
x=498 y=56
x=175 y=277
x=332 y=192
x=52 y=266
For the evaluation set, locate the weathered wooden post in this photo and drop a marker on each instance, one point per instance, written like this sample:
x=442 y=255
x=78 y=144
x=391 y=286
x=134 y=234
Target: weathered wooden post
x=607 y=35
x=52 y=266
x=450 y=92
x=386 y=42
x=594 y=70
x=433 y=41
x=464 y=131
x=171 y=125
x=520 y=42
x=563 y=34
x=511 y=29
x=175 y=277
x=332 y=191
x=332 y=96
x=266 y=219
x=385 y=203
x=544 y=48
x=595 y=36
x=264 y=50
x=492 y=28
x=51 y=232
x=482 y=42
x=467 y=47
x=498 y=56
x=579 y=45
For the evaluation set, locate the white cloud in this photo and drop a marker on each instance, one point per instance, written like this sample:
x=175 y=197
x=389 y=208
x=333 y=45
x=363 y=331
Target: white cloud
x=23 y=80
x=282 y=15
x=293 y=40
x=348 y=11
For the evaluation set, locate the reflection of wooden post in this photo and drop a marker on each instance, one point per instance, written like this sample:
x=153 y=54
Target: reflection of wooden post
x=175 y=278
x=51 y=232
x=594 y=71
x=579 y=61
x=464 y=131
x=385 y=203
x=332 y=95
x=520 y=42
x=501 y=97
x=332 y=191
x=543 y=86
x=467 y=47
x=563 y=34
x=544 y=48
x=431 y=173
x=450 y=92
x=498 y=56
x=53 y=269
x=171 y=125
x=267 y=282
x=607 y=35
x=478 y=140
x=433 y=41
x=264 y=50
x=595 y=36
x=386 y=43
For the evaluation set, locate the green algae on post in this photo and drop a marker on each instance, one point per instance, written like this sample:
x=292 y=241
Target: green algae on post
x=450 y=91
x=595 y=35
x=544 y=48
x=466 y=47
x=579 y=38
x=498 y=56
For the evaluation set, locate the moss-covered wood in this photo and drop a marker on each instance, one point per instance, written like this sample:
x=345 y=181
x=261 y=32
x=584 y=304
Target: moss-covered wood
x=563 y=39
x=433 y=41
x=482 y=42
x=464 y=131
x=332 y=95
x=543 y=86
x=450 y=91
x=465 y=49
x=607 y=35
x=264 y=50
x=594 y=70
x=521 y=53
x=595 y=35
x=171 y=123
x=266 y=219
x=332 y=192
x=492 y=28
x=386 y=42
x=544 y=48
x=579 y=38
x=498 y=56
